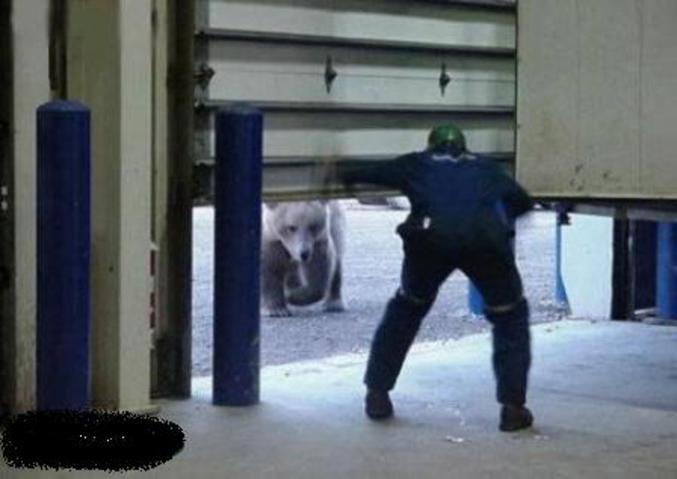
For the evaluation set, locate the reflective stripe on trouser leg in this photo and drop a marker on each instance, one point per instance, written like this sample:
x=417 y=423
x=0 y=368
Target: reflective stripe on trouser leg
x=393 y=337
x=512 y=351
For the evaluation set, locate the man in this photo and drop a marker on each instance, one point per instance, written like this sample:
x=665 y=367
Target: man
x=461 y=211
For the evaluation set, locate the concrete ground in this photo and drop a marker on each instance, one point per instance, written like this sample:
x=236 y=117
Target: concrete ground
x=604 y=395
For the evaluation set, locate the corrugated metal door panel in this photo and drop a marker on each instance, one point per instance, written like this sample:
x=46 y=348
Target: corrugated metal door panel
x=378 y=19
x=247 y=71
x=388 y=58
x=313 y=135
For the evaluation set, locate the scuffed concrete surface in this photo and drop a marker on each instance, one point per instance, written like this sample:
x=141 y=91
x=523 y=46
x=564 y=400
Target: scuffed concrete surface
x=603 y=395
x=371 y=266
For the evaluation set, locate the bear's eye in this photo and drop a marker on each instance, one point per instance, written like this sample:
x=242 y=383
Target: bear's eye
x=291 y=229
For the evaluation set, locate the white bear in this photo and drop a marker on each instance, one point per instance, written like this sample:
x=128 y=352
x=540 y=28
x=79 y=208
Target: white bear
x=302 y=246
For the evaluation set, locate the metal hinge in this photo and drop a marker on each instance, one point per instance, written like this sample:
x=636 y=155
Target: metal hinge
x=444 y=79
x=204 y=75
x=330 y=73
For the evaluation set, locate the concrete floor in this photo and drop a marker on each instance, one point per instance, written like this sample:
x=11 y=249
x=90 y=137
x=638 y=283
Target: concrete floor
x=604 y=396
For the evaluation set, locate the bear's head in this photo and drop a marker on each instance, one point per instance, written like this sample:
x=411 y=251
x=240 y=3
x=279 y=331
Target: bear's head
x=299 y=226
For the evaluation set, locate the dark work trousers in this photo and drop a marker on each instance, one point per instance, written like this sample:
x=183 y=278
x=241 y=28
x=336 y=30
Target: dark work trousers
x=491 y=267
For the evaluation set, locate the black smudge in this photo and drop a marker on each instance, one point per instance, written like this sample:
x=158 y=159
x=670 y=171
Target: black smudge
x=69 y=439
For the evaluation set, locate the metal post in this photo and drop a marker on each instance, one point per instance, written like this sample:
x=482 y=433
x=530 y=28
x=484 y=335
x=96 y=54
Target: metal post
x=237 y=243
x=63 y=252
x=666 y=271
x=560 y=290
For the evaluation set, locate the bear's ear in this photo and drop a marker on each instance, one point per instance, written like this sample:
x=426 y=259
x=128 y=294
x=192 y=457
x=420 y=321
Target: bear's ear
x=271 y=204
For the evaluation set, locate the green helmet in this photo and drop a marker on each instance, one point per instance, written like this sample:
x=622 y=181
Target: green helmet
x=444 y=137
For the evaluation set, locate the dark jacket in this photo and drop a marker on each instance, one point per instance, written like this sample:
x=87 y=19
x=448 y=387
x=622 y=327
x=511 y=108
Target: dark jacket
x=469 y=197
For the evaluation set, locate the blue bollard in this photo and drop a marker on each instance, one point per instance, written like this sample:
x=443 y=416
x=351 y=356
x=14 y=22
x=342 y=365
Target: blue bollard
x=666 y=271
x=63 y=252
x=237 y=243
x=560 y=290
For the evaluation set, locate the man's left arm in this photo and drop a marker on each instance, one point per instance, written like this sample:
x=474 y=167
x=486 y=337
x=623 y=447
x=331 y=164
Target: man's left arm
x=516 y=198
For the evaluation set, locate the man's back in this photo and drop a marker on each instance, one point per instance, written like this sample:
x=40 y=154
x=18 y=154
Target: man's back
x=457 y=197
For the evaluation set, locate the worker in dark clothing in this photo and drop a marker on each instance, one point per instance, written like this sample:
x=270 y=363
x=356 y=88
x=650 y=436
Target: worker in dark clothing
x=461 y=211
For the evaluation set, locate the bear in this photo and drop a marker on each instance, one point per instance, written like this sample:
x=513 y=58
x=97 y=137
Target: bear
x=302 y=246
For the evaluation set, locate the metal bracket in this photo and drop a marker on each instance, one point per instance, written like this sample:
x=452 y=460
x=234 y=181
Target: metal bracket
x=563 y=209
x=330 y=73
x=445 y=79
x=204 y=75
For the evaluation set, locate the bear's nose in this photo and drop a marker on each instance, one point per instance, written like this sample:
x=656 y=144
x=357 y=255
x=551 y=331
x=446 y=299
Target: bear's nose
x=305 y=255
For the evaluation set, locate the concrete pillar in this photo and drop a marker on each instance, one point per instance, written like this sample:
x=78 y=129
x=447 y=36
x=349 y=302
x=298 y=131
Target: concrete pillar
x=666 y=271
x=110 y=69
x=30 y=45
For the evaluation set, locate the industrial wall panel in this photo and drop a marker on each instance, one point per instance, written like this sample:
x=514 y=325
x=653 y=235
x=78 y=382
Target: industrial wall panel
x=658 y=162
x=594 y=98
x=608 y=100
x=547 y=67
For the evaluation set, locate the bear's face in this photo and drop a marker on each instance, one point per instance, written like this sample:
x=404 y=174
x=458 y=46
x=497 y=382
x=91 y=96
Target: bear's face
x=299 y=226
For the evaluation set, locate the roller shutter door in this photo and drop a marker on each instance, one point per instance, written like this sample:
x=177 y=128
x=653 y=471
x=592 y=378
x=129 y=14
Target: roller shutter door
x=353 y=78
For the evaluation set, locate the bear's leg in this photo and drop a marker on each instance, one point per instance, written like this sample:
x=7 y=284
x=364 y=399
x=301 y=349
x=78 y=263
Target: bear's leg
x=295 y=278
x=274 y=265
x=334 y=302
x=317 y=272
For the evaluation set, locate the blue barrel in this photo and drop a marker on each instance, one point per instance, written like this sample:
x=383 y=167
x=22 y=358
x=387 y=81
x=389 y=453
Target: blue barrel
x=666 y=271
x=237 y=243
x=63 y=252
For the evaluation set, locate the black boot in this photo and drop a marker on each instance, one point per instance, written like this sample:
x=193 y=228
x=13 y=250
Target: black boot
x=514 y=418
x=378 y=405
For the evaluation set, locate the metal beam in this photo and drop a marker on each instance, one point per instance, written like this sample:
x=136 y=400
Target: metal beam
x=504 y=5
x=223 y=34
x=632 y=209
x=325 y=107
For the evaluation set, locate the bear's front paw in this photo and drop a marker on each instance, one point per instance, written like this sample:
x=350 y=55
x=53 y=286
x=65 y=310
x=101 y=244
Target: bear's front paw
x=334 y=306
x=280 y=312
